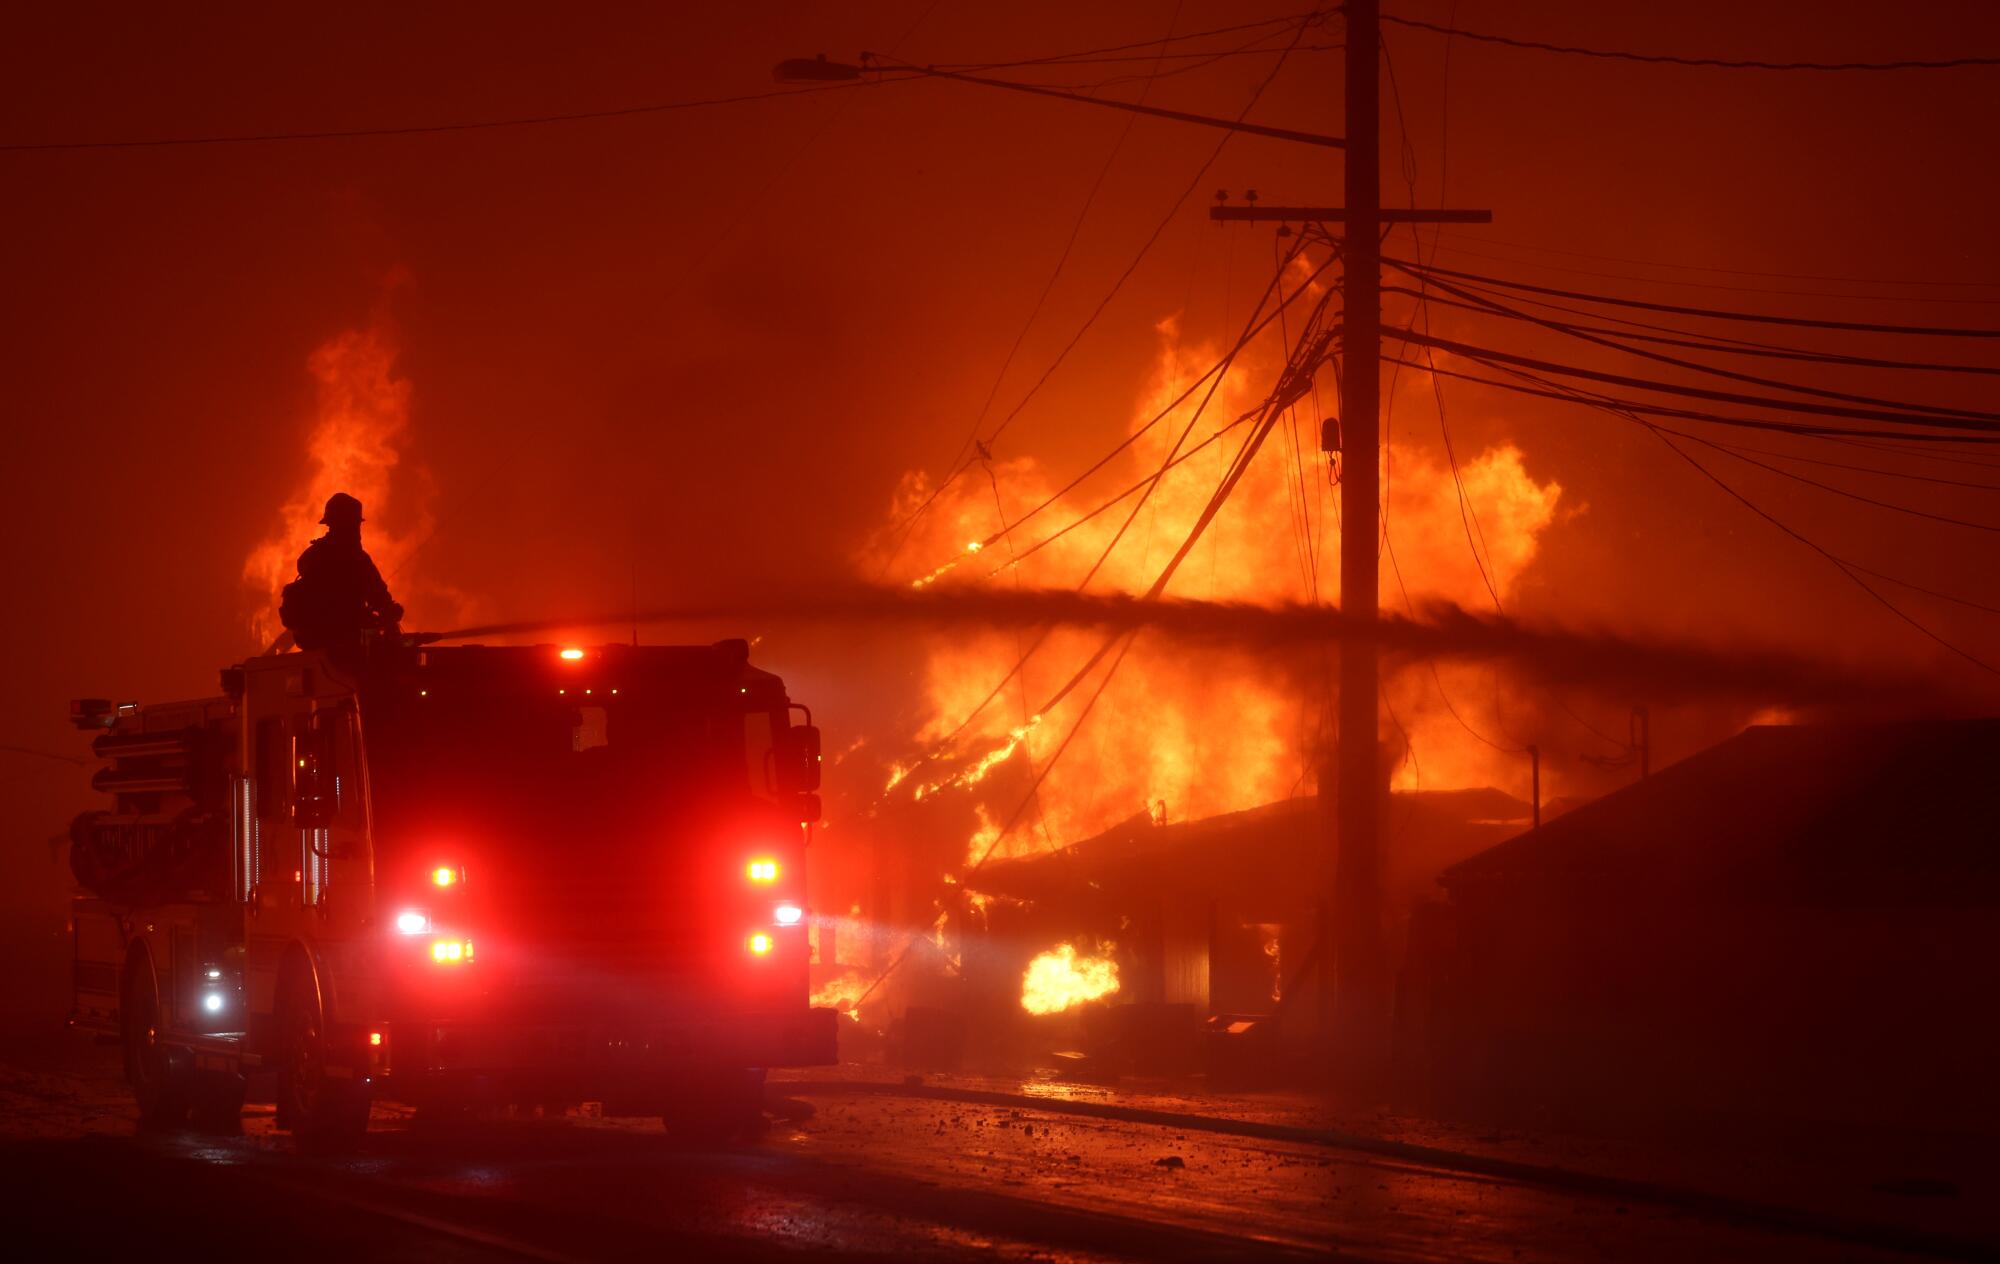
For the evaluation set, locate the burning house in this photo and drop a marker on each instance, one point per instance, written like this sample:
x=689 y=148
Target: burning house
x=1193 y=919
x=1795 y=923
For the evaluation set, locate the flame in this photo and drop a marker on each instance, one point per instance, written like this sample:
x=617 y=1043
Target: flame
x=1059 y=979
x=984 y=838
x=975 y=772
x=842 y=992
x=363 y=410
x=1194 y=737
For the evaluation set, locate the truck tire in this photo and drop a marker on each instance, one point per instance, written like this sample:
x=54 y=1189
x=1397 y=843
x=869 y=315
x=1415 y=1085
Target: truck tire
x=159 y=1074
x=716 y=1108
x=325 y=1109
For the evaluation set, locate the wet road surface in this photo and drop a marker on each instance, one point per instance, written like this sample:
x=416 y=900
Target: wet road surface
x=837 y=1176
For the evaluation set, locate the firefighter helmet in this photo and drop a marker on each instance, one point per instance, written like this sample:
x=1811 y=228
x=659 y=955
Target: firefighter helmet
x=341 y=509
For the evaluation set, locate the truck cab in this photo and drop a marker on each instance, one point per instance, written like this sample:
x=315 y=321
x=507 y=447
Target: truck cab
x=443 y=873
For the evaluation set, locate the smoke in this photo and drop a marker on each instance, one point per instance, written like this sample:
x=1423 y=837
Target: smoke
x=1545 y=653
x=360 y=425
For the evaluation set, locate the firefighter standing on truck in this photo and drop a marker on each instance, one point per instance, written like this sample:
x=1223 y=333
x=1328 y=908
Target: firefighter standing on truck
x=339 y=595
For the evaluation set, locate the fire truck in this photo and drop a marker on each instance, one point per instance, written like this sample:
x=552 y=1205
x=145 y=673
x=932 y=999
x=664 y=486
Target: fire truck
x=454 y=875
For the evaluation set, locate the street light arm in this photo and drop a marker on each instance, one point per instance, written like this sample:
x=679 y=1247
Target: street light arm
x=820 y=70
x=814 y=70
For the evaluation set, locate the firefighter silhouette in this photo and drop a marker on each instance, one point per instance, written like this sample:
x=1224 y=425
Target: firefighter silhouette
x=339 y=595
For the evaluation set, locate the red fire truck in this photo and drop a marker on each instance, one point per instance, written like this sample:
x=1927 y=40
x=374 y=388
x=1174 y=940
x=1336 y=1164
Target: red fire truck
x=454 y=874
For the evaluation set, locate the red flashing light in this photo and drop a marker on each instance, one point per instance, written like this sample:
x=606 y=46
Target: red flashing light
x=375 y=1039
x=445 y=876
x=760 y=944
x=762 y=870
x=451 y=952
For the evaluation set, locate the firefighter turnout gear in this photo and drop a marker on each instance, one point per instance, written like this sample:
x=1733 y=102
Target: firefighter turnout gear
x=339 y=595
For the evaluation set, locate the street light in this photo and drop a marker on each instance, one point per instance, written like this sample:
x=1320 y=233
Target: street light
x=820 y=70
x=814 y=70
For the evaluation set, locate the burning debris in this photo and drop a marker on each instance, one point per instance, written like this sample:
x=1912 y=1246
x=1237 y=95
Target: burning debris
x=841 y=992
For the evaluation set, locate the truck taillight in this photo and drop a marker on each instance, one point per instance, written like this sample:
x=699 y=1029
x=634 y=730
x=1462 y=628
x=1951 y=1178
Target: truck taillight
x=451 y=952
x=760 y=944
x=447 y=876
x=762 y=869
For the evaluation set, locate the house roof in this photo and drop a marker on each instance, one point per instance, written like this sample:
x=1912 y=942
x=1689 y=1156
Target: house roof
x=1273 y=845
x=1853 y=813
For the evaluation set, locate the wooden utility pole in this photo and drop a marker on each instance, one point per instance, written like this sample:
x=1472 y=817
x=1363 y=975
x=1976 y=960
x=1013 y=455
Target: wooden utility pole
x=1361 y=967
x=1355 y=993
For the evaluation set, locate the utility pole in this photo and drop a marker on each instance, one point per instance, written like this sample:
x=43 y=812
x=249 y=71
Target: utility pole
x=1360 y=1004
x=1355 y=996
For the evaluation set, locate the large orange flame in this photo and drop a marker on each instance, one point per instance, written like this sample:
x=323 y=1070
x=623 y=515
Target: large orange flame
x=1182 y=733
x=1057 y=980
x=355 y=446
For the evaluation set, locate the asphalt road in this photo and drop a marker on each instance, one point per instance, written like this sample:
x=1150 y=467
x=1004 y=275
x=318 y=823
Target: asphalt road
x=838 y=1176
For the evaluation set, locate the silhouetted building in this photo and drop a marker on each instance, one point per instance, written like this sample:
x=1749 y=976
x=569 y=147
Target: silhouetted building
x=1218 y=914
x=1799 y=922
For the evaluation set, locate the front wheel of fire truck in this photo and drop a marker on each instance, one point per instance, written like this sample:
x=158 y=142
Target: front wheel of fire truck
x=322 y=1100
x=156 y=1071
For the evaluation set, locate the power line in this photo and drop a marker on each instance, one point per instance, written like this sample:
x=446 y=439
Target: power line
x=1048 y=287
x=1715 y=343
x=1308 y=18
x=1491 y=307
x=1841 y=564
x=1134 y=489
x=1020 y=809
x=1669 y=59
x=1889 y=416
x=1116 y=286
x=1273 y=407
x=1761 y=318
x=1828 y=487
x=1257 y=326
x=1701 y=267
x=1928 y=592
x=1928 y=299
x=1875 y=470
x=1836 y=433
x=1251 y=327
x=37 y=753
